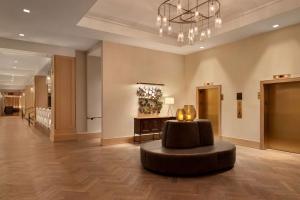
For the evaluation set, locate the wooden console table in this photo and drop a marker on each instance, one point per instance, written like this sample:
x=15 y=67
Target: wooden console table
x=148 y=125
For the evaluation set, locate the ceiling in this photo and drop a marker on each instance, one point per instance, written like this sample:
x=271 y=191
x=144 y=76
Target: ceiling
x=142 y=13
x=135 y=21
x=80 y=24
x=17 y=68
x=50 y=22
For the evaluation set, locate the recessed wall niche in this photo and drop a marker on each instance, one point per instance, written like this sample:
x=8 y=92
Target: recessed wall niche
x=149 y=99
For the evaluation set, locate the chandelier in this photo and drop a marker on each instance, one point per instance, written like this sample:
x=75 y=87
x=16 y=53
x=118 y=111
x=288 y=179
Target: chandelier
x=190 y=20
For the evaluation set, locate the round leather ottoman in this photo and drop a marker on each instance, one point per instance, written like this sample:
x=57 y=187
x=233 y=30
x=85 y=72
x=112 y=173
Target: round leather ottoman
x=187 y=162
x=182 y=134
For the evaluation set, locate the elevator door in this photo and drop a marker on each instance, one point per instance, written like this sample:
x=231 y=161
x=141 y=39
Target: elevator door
x=282 y=116
x=209 y=106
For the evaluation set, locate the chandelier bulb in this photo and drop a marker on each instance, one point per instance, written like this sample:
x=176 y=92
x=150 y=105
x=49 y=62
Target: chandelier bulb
x=208 y=32
x=169 y=29
x=165 y=20
x=161 y=31
x=180 y=37
x=196 y=30
x=179 y=7
x=212 y=6
x=158 y=20
x=218 y=22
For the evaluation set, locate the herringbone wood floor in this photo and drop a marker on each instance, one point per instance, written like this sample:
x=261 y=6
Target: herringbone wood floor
x=33 y=168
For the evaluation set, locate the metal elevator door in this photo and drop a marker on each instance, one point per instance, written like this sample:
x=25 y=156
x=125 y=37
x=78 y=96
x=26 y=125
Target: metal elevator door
x=282 y=113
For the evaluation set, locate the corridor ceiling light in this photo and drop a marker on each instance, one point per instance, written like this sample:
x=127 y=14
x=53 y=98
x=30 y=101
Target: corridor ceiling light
x=21 y=34
x=191 y=20
x=201 y=47
x=275 y=25
x=26 y=10
x=14 y=67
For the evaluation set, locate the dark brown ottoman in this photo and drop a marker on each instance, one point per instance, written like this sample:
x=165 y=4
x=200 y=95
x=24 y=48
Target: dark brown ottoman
x=195 y=155
x=177 y=134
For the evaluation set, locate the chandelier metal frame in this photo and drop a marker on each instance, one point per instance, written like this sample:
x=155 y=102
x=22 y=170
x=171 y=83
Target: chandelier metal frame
x=194 y=17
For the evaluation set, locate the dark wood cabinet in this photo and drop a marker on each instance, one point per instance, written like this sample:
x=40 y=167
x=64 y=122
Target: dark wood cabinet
x=150 y=125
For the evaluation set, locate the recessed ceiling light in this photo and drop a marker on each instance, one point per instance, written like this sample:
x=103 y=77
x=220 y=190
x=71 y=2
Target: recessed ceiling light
x=14 y=67
x=275 y=25
x=201 y=47
x=26 y=10
x=21 y=34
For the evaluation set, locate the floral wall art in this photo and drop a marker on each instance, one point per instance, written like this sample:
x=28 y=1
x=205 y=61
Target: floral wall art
x=149 y=100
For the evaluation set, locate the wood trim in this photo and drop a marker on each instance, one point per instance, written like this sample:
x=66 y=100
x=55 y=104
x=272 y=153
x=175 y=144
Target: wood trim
x=262 y=115
x=41 y=91
x=88 y=136
x=262 y=104
x=113 y=141
x=219 y=87
x=285 y=80
x=242 y=142
x=62 y=137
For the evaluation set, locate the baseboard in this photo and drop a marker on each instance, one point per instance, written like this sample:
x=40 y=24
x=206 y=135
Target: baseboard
x=242 y=142
x=54 y=137
x=88 y=136
x=113 y=141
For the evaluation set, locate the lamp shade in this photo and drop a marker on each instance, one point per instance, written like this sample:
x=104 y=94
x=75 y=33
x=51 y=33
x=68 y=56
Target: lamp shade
x=169 y=100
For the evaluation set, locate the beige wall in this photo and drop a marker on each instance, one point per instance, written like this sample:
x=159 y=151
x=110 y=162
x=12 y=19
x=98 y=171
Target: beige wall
x=94 y=93
x=123 y=67
x=239 y=67
x=81 y=92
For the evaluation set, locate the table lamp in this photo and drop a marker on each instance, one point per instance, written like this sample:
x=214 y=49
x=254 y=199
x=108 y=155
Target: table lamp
x=170 y=101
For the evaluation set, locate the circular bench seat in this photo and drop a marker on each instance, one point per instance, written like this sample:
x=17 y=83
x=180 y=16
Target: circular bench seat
x=190 y=161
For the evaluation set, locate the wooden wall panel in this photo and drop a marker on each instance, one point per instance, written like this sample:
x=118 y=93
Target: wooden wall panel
x=41 y=91
x=64 y=99
x=29 y=97
x=13 y=101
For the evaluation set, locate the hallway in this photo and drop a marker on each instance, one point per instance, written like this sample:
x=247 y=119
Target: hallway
x=31 y=168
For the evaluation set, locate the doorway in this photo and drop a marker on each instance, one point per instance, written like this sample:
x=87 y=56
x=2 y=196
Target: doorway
x=280 y=115
x=209 y=105
x=94 y=93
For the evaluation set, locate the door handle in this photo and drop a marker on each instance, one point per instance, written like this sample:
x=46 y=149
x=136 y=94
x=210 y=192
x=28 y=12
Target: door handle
x=92 y=118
